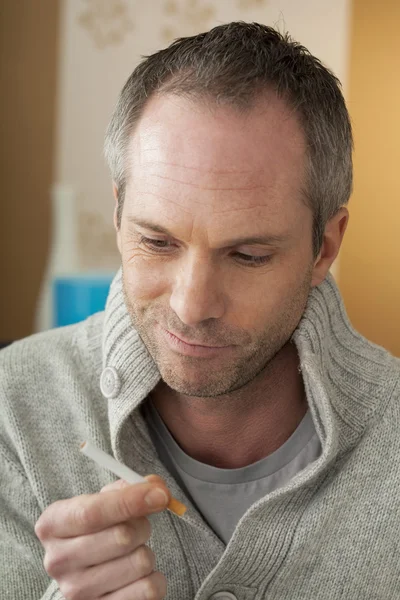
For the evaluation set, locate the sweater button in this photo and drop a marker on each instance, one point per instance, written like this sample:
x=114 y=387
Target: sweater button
x=223 y=596
x=110 y=382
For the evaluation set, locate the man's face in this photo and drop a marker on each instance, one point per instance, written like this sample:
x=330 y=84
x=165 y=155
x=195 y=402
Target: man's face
x=216 y=240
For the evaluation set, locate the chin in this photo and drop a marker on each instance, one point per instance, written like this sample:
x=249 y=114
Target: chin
x=201 y=383
x=194 y=384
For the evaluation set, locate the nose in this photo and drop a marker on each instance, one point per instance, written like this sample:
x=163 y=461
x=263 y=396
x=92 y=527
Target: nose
x=197 y=293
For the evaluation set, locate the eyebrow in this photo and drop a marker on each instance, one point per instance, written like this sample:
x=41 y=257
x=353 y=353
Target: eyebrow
x=267 y=240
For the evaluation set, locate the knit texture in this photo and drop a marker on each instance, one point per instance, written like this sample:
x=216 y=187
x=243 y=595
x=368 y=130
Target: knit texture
x=331 y=533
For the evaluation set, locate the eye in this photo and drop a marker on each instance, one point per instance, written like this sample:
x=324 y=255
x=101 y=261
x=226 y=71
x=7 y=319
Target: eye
x=253 y=261
x=155 y=245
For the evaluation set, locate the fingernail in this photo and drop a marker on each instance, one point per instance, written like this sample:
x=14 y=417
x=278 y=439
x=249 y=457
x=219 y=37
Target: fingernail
x=156 y=498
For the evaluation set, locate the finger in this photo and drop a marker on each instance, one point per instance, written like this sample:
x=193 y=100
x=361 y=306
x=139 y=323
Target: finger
x=91 y=513
x=110 y=576
x=74 y=554
x=156 y=479
x=115 y=485
x=154 y=586
x=120 y=483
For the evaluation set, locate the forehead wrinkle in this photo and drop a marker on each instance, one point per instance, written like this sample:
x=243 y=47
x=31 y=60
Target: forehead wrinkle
x=206 y=170
x=214 y=189
x=159 y=197
x=241 y=208
x=175 y=202
x=199 y=169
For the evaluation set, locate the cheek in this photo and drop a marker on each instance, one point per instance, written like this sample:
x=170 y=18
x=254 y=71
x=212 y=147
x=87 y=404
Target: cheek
x=252 y=306
x=145 y=279
x=268 y=297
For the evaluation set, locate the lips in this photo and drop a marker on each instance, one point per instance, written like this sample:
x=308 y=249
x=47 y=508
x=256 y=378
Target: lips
x=194 y=342
x=192 y=348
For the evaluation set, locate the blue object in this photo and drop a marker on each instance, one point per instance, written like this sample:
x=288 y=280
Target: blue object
x=77 y=297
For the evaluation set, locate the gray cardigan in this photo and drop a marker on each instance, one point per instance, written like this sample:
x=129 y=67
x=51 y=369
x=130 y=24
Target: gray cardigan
x=332 y=533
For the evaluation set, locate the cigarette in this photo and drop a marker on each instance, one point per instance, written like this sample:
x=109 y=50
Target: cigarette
x=108 y=462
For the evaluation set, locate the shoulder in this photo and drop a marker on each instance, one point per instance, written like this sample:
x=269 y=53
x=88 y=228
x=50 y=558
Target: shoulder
x=44 y=365
x=47 y=351
x=48 y=384
x=50 y=400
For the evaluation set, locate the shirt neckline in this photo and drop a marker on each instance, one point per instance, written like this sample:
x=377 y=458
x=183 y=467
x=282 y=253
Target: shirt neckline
x=266 y=466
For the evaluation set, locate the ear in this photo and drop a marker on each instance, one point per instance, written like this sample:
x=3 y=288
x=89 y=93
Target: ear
x=117 y=229
x=332 y=240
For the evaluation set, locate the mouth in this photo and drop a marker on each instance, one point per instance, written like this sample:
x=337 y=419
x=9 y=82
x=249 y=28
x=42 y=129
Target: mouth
x=192 y=348
x=193 y=342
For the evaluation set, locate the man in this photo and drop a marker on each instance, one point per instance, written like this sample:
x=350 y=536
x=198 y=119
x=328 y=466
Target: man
x=225 y=359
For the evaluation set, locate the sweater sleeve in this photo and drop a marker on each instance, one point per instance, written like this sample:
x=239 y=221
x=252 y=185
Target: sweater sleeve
x=22 y=574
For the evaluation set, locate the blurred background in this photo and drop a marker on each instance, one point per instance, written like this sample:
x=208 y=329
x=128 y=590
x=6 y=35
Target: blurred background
x=63 y=63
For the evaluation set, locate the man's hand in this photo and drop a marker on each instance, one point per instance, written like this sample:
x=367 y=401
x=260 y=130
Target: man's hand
x=95 y=544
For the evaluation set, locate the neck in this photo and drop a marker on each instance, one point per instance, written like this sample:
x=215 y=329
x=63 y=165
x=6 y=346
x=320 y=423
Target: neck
x=242 y=427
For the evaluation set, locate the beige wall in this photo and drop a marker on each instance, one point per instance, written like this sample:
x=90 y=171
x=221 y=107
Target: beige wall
x=370 y=259
x=28 y=55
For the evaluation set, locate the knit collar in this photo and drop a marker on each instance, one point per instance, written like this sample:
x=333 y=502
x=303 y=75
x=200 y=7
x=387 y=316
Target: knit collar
x=348 y=380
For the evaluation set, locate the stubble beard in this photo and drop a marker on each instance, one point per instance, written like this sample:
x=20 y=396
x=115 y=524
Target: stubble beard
x=198 y=377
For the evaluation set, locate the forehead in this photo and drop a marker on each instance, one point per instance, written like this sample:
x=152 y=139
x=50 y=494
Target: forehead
x=190 y=159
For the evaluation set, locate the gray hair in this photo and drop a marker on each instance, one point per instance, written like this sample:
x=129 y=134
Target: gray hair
x=233 y=64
